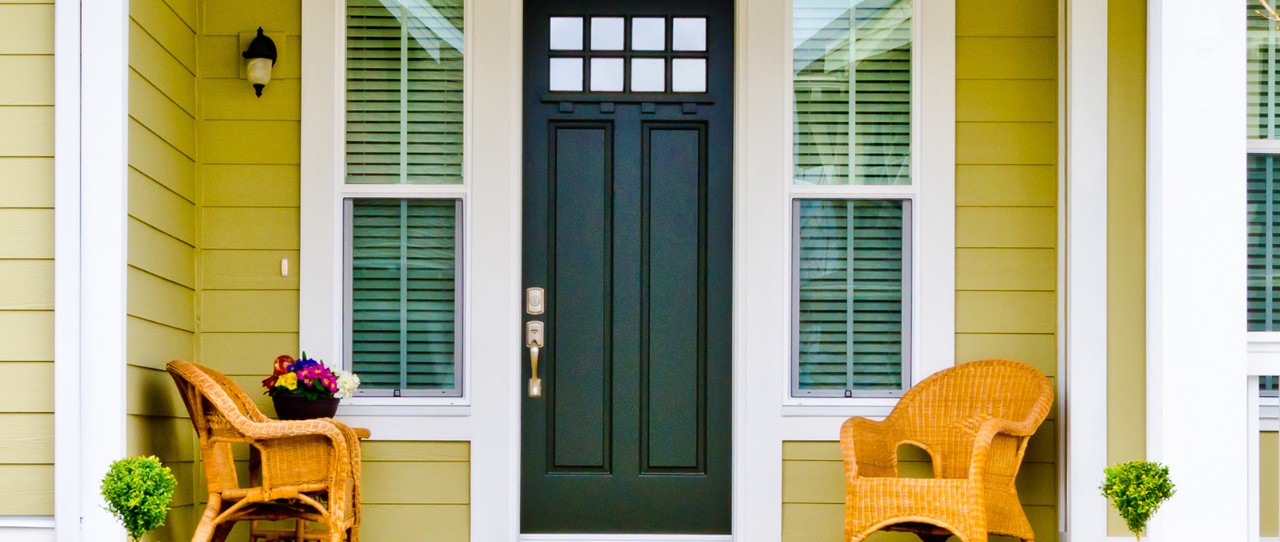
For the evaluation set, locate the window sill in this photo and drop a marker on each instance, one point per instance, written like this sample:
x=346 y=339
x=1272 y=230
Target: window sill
x=413 y=407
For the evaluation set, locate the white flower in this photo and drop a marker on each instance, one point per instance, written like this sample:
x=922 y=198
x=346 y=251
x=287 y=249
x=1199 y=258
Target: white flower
x=347 y=384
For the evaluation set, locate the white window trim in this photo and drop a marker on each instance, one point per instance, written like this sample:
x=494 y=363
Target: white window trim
x=932 y=193
x=321 y=320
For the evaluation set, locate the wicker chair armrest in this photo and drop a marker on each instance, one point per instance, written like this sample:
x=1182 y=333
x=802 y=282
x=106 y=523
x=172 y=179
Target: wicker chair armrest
x=282 y=429
x=986 y=433
x=869 y=448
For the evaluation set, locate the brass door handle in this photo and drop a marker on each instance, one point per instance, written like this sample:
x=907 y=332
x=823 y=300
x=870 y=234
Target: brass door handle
x=533 y=338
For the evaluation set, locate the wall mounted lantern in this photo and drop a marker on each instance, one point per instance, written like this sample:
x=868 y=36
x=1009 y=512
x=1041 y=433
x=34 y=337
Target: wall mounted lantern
x=261 y=57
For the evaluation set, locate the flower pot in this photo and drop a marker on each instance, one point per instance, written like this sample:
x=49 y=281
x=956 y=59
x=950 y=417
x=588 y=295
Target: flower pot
x=296 y=407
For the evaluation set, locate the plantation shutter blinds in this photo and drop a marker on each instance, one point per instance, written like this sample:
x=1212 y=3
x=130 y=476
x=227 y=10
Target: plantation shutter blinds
x=404 y=293
x=852 y=295
x=852 y=92
x=404 y=91
x=1263 y=83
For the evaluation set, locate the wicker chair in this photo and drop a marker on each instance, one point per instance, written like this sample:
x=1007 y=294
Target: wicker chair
x=306 y=470
x=974 y=420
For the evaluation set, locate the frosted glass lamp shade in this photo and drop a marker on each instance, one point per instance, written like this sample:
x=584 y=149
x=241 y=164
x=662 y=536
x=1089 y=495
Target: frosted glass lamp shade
x=259 y=70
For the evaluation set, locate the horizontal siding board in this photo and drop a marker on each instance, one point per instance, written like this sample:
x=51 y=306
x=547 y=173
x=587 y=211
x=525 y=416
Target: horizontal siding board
x=1036 y=484
x=234 y=16
x=26 y=29
x=26 y=233
x=28 y=439
x=160 y=68
x=811 y=451
x=250 y=142
x=236 y=185
x=437 y=523
x=158 y=300
x=26 y=336
x=245 y=353
x=250 y=311
x=173 y=440
x=1006 y=269
x=1006 y=312
x=30 y=80
x=161 y=208
x=26 y=183
x=216 y=64
x=250 y=228
x=1006 y=227
x=248 y=269
x=26 y=285
x=154 y=158
x=152 y=393
x=161 y=254
x=187 y=10
x=813 y=482
x=27 y=490
x=1008 y=100
x=28 y=130
x=1007 y=185
x=233 y=99
x=158 y=113
x=398 y=451
x=1038 y=350
x=153 y=345
x=173 y=33
x=1006 y=58
x=27 y=387
x=401 y=483
x=1018 y=18
x=1016 y=143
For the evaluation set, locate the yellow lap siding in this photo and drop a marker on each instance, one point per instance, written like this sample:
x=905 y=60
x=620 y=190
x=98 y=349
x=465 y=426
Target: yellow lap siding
x=1270 y=489
x=35 y=84
x=226 y=99
x=27 y=490
x=28 y=439
x=26 y=183
x=244 y=142
x=28 y=130
x=158 y=113
x=26 y=29
x=28 y=285
x=26 y=336
x=160 y=68
x=161 y=254
x=1017 y=18
x=237 y=185
x=1006 y=185
x=251 y=228
x=158 y=20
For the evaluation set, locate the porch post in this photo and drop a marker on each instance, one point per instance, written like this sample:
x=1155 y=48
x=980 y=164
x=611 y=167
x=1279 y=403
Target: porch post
x=1196 y=262
x=104 y=201
x=1085 y=296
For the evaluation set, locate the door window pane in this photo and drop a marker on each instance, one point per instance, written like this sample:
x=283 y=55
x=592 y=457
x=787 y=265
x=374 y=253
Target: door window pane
x=606 y=33
x=648 y=75
x=648 y=34
x=852 y=91
x=566 y=75
x=689 y=34
x=404 y=92
x=403 y=318
x=606 y=75
x=851 y=296
x=566 y=33
x=689 y=75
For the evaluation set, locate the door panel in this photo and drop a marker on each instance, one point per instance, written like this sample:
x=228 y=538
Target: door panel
x=628 y=226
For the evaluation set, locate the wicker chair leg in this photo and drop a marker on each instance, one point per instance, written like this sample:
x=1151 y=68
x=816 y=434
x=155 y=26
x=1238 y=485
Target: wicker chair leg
x=222 y=531
x=204 y=531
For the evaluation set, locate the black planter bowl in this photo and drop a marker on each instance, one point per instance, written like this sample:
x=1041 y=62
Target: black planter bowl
x=296 y=407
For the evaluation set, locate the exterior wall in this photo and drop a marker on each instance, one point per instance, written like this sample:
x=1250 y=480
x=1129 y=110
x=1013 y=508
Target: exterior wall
x=1006 y=244
x=1270 y=490
x=1126 y=237
x=26 y=258
x=162 y=230
x=1006 y=208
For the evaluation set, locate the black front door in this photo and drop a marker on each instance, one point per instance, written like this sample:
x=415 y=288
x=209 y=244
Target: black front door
x=628 y=227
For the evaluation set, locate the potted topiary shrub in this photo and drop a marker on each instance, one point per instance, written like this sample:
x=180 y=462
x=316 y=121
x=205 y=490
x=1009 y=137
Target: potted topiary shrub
x=1136 y=489
x=138 y=491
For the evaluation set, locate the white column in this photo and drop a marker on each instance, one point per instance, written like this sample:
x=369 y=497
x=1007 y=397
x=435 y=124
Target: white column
x=1085 y=195
x=1196 y=261
x=66 y=310
x=103 y=252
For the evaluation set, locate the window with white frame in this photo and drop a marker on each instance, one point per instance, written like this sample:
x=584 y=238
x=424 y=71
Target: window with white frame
x=852 y=194
x=401 y=272
x=1264 y=180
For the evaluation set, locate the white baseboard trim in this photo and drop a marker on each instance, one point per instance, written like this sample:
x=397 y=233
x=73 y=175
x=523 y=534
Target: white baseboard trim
x=26 y=528
x=625 y=538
